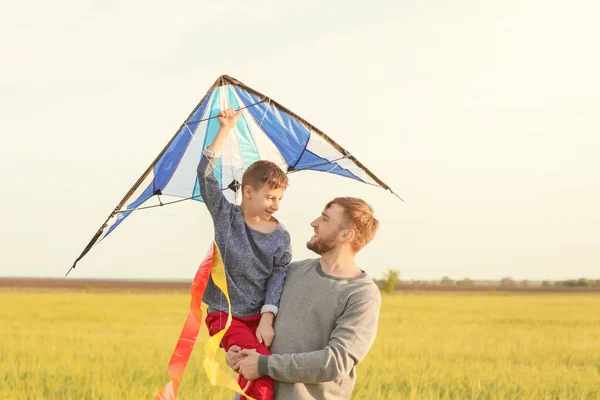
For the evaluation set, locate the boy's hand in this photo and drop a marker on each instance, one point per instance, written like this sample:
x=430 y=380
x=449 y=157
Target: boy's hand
x=265 y=333
x=228 y=118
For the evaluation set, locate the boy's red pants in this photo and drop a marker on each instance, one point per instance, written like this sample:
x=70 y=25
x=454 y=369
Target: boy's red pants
x=242 y=332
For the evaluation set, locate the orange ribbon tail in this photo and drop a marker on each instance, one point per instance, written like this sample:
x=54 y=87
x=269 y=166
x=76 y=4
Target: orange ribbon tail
x=212 y=264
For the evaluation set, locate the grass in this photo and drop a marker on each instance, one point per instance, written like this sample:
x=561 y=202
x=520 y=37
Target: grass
x=430 y=346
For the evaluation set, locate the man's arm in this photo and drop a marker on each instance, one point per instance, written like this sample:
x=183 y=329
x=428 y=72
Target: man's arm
x=349 y=343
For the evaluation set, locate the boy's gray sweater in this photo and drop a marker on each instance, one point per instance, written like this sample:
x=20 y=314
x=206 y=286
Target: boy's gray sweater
x=255 y=262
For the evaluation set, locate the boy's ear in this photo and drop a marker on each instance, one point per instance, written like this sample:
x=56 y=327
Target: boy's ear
x=247 y=191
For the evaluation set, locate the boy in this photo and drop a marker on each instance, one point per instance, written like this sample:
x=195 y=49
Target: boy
x=255 y=249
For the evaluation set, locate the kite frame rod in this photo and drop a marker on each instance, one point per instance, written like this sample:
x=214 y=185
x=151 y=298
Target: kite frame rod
x=137 y=184
x=198 y=195
x=217 y=116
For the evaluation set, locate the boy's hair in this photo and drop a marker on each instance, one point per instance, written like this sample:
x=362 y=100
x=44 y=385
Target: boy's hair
x=359 y=215
x=264 y=172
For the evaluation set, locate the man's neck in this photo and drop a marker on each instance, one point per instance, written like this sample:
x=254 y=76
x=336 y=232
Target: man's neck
x=340 y=263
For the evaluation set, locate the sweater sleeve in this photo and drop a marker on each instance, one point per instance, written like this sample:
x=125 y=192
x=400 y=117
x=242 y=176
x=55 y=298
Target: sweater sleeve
x=277 y=278
x=349 y=343
x=209 y=186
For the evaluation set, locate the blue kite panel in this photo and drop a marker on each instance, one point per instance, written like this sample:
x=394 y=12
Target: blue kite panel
x=197 y=115
x=120 y=218
x=164 y=168
x=288 y=134
x=146 y=194
x=312 y=162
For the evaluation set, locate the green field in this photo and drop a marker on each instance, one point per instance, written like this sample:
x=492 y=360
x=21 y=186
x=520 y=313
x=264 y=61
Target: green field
x=430 y=346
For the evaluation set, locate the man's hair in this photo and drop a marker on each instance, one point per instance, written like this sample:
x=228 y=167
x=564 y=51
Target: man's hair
x=358 y=215
x=264 y=172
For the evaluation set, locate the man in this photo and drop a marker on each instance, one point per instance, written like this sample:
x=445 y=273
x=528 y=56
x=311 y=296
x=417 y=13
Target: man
x=328 y=312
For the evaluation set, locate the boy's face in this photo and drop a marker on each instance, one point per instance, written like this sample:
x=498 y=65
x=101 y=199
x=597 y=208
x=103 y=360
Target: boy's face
x=263 y=202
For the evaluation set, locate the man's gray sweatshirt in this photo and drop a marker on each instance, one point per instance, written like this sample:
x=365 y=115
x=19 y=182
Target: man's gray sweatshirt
x=255 y=262
x=325 y=327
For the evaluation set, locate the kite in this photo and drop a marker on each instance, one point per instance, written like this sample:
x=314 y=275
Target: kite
x=265 y=130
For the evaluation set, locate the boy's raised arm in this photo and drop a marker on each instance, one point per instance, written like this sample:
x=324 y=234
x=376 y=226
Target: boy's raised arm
x=227 y=120
x=209 y=187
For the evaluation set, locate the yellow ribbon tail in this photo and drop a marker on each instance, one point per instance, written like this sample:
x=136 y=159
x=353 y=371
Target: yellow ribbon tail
x=215 y=373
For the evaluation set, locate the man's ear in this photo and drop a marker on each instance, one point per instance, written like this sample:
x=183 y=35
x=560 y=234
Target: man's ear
x=348 y=235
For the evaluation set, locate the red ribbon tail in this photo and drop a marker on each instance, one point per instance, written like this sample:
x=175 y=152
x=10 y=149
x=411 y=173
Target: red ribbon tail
x=189 y=333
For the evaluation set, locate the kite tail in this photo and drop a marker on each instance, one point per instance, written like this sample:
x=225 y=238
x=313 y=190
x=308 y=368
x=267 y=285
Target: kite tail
x=190 y=330
x=212 y=265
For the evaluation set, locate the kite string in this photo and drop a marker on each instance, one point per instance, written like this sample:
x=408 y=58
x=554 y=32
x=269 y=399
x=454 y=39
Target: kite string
x=197 y=196
x=265 y=113
x=189 y=130
x=239 y=147
x=319 y=165
x=243 y=170
x=283 y=165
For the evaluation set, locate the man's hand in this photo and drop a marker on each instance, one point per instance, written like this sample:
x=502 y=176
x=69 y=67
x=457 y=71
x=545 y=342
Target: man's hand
x=228 y=118
x=234 y=356
x=248 y=367
x=265 y=333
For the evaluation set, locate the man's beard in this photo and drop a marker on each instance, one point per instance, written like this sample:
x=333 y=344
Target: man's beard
x=321 y=245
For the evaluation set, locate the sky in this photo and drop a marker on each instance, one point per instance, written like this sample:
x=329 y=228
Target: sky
x=482 y=116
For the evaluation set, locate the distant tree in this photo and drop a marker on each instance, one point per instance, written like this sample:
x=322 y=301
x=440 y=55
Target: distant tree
x=466 y=282
x=391 y=278
x=508 y=282
x=524 y=283
x=546 y=283
x=447 y=281
x=581 y=282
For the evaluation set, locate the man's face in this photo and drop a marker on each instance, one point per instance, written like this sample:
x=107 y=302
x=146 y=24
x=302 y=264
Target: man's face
x=327 y=227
